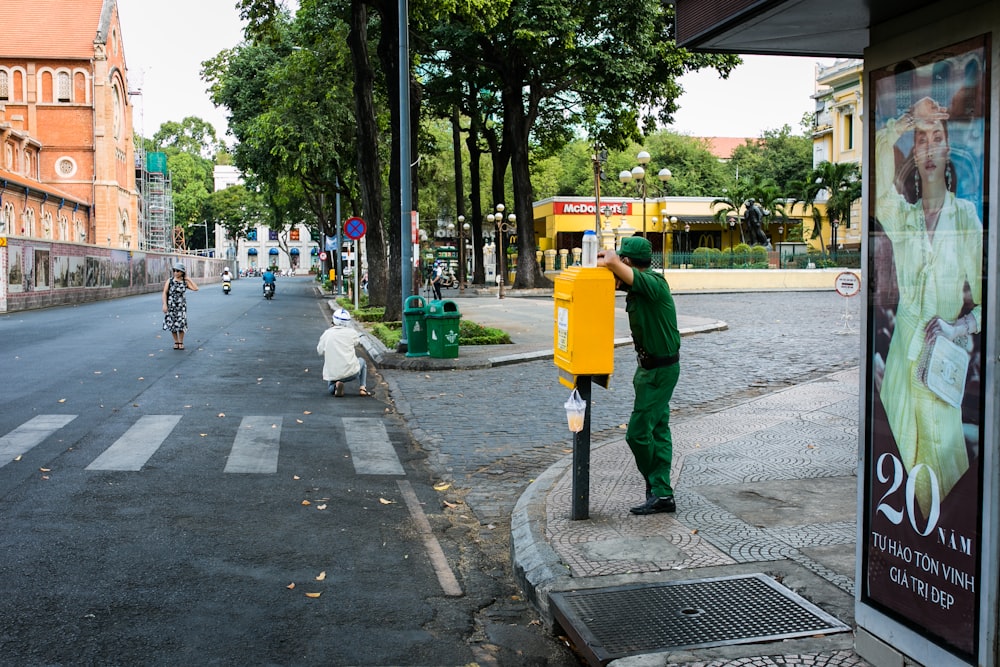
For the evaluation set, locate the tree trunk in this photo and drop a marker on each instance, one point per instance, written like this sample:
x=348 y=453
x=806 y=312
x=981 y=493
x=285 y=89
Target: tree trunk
x=369 y=166
x=517 y=128
x=475 y=200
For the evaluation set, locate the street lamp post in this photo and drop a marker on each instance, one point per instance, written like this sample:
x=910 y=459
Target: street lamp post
x=502 y=227
x=833 y=238
x=462 y=226
x=638 y=174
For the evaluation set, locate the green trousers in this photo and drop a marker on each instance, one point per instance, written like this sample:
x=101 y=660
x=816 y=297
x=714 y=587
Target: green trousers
x=648 y=434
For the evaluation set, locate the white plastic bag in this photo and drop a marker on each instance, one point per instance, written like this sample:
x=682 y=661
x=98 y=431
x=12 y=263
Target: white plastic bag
x=576 y=410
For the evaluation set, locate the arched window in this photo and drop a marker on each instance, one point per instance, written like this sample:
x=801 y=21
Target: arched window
x=29 y=223
x=46 y=225
x=116 y=120
x=4 y=85
x=7 y=218
x=63 y=225
x=64 y=87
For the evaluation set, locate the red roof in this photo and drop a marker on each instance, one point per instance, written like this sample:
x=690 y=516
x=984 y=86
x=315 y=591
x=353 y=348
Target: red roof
x=723 y=147
x=52 y=28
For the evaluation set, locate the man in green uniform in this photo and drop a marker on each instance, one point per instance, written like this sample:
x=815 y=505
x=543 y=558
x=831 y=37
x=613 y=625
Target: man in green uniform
x=652 y=318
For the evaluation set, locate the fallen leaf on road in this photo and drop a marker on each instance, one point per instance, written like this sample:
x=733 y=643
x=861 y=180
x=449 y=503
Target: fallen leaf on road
x=442 y=486
x=321 y=576
x=296 y=477
x=313 y=595
x=449 y=505
x=17 y=458
x=290 y=586
x=222 y=414
x=299 y=421
x=62 y=400
x=140 y=379
x=307 y=412
x=321 y=507
x=306 y=502
x=45 y=470
x=386 y=502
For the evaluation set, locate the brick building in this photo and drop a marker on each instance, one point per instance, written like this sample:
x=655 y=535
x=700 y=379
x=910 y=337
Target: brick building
x=67 y=164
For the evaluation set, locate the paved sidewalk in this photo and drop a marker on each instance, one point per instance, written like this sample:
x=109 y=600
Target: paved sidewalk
x=766 y=486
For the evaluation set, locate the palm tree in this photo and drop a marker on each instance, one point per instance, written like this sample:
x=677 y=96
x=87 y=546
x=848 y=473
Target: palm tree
x=731 y=202
x=840 y=183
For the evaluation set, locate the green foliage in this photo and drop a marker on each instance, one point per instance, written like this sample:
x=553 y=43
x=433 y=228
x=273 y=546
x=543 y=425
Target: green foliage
x=707 y=258
x=237 y=209
x=192 y=135
x=778 y=156
x=469 y=333
x=390 y=333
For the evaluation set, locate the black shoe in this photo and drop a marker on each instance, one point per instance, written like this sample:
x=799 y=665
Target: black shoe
x=655 y=505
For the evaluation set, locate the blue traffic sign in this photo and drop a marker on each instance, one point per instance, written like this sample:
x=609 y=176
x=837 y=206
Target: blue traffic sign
x=354 y=228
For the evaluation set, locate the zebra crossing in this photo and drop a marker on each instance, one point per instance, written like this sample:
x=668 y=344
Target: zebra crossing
x=255 y=449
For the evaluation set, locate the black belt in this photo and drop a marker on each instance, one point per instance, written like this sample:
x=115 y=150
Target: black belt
x=649 y=363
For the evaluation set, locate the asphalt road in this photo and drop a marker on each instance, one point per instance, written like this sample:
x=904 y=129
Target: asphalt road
x=216 y=506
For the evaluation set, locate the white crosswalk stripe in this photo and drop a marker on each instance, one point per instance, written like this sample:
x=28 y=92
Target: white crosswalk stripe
x=255 y=449
x=371 y=450
x=133 y=449
x=29 y=434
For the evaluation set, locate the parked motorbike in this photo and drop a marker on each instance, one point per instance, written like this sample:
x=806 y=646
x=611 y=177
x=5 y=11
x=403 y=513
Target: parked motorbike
x=268 y=291
x=449 y=280
x=226 y=286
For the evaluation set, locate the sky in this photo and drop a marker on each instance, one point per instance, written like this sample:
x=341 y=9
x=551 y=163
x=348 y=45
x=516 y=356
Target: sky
x=165 y=44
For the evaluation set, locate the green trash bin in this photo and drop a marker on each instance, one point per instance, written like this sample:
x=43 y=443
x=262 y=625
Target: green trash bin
x=415 y=321
x=442 y=329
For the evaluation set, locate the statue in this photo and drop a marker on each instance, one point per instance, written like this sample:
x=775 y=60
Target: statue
x=754 y=217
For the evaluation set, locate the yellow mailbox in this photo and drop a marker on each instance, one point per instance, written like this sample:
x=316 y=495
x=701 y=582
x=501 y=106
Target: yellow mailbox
x=584 y=329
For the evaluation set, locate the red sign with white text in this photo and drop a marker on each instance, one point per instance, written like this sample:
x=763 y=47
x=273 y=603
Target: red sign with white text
x=590 y=208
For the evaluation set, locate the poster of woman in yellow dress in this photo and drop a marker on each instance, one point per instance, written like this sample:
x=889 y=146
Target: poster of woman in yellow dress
x=926 y=322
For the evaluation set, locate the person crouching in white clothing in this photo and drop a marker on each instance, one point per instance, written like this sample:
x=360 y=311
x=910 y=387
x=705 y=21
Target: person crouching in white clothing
x=340 y=363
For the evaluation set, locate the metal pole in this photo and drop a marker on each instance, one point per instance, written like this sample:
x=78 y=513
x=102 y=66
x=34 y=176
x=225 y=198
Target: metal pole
x=581 y=456
x=501 y=257
x=405 y=187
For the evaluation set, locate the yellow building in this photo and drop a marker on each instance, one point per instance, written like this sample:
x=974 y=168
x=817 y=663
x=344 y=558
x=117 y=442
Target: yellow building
x=838 y=131
x=676 y=224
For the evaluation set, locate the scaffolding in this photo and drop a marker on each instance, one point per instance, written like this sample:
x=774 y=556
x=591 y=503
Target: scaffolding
x=156 y=200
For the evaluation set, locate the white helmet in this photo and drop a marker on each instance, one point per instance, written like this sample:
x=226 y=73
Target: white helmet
x=341 y=317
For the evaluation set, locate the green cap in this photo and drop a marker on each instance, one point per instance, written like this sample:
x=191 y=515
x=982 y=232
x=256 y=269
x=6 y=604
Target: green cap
x=636 y=247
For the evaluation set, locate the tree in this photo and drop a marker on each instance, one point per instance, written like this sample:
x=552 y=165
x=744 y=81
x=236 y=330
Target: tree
x=192 y=135
x=290 y=111
x=565 y=65
x=191 y=182
x=778 y=156
x=236 y=209
x=729 y=205
x=839 y=183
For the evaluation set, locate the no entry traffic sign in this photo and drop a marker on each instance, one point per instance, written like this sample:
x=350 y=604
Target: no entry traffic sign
x=354 y=228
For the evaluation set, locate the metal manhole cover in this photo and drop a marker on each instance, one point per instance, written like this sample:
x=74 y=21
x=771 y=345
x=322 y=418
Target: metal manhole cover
x=611 y=623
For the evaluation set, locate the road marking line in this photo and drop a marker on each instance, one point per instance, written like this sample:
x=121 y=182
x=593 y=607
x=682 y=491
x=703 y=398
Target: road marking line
x=137 y=445
x=371 y=451
x=29 y=434
x=449 y=584
x=255 y=449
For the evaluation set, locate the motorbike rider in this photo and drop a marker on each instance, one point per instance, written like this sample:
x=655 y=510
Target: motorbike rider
x=269 y=278
x=227 y=276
